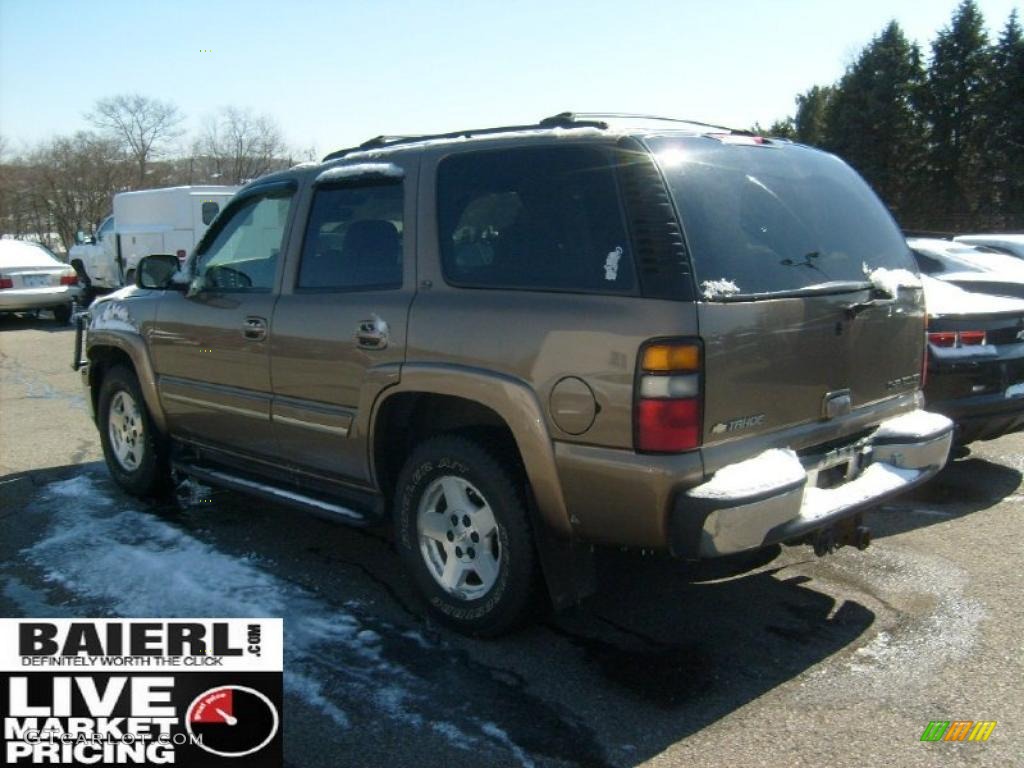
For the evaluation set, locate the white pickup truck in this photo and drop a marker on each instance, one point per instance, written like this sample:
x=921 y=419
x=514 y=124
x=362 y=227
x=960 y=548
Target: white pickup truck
x=169 y=220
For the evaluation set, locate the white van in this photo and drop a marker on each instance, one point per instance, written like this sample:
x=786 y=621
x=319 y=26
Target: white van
x=169 y=220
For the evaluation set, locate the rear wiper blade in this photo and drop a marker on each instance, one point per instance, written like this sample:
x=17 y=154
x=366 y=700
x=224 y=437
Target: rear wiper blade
x=818 y=289
x=880 y=299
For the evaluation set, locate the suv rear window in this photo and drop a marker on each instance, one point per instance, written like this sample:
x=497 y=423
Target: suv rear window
x=535 y=218
x=770 y=218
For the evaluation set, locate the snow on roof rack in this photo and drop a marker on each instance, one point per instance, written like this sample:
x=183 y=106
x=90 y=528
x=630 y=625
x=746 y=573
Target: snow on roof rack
x=564 y=120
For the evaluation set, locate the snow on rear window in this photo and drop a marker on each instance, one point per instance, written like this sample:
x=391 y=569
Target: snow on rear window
x=713 y=289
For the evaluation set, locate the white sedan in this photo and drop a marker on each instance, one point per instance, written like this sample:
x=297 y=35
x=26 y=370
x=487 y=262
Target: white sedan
x=33 y=278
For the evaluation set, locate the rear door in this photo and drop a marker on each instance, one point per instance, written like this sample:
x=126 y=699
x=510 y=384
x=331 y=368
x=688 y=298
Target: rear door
x=339 y=327
x=789 y=246
x=211 y=350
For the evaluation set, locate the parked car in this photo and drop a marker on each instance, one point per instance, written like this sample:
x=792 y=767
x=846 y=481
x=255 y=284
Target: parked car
x=32 y=278
x=501 y=342
x=169 y=220
x=979 y=269
x=975 y=361
x=1010 y=244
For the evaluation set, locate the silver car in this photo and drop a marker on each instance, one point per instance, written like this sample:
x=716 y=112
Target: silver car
x=33 y=278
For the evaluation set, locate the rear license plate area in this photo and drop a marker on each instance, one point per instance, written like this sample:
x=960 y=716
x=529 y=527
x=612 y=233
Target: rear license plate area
x=833 y=476
x=36 y=281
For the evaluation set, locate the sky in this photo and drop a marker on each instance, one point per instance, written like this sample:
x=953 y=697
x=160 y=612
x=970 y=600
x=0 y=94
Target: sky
x=333 y=74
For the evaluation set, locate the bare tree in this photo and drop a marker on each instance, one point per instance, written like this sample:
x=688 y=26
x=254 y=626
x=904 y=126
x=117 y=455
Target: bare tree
x=242 y=145
x=71 y=181
x=142 y=125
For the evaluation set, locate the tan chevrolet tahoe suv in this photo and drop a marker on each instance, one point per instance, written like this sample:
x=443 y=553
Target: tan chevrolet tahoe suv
x=513 y=344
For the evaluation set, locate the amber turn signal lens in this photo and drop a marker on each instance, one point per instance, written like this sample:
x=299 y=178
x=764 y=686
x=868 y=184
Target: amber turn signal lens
x=666 y=358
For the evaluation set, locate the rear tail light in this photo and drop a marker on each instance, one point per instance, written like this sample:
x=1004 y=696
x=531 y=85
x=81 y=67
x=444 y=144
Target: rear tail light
x=947 y=339
x=69 y=279
x=667 y=417
x=6 y=282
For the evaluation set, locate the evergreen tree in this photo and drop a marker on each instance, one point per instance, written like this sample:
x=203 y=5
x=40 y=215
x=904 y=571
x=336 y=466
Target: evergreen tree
x=871 y=120
x=1004 y=155
x=811 y=108
x=955 y=104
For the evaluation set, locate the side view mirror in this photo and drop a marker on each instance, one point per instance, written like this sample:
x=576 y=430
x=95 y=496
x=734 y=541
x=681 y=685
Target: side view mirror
x=157 y=272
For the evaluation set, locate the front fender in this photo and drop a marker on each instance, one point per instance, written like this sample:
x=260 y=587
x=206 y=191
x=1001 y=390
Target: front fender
x=516 y=404
x=135 y=348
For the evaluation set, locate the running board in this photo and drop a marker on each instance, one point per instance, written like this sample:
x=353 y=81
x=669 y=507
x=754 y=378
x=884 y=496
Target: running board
x=222 y=479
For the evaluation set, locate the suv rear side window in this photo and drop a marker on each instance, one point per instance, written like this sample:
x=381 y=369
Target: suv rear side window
x=534 y=218
x=244 y=251
x=354 y=238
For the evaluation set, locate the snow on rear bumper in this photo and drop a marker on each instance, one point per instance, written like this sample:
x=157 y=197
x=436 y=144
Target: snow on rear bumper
x=772 y=498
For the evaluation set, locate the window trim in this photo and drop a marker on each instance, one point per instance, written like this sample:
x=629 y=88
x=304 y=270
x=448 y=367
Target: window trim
x=368 y=180
x=227 y=213
x=604 y=149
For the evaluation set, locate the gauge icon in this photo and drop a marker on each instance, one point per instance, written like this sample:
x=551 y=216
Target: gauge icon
x=232 y=721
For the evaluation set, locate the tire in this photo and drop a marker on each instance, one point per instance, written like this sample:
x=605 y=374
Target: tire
x=136 y=455
x=490 y=587
x=62 y=314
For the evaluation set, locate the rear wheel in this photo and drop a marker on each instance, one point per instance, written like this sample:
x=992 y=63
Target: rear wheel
x=62 y=314
x=464 y=535
x=133 y=449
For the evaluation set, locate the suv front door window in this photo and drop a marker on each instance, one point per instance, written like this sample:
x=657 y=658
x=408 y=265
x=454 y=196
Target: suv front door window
x=211 y=356
x=243 y=253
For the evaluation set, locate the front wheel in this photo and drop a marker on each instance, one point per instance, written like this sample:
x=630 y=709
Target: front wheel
x=464 y=535
x=133 y=449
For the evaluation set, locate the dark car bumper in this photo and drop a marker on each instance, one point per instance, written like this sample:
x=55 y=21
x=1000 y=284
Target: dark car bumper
x=983 y=397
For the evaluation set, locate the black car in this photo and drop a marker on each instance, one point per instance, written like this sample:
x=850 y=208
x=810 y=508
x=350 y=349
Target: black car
x=975 y=369
x=979 y=269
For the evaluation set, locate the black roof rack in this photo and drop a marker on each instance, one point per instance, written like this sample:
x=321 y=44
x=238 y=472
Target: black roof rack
x=576 y=118
x=561 y=120
x=564 y=120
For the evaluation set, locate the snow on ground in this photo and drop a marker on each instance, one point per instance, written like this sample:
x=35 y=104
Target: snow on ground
x=135 y=564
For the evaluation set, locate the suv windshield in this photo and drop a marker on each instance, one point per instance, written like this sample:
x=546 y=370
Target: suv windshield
x=775 y=218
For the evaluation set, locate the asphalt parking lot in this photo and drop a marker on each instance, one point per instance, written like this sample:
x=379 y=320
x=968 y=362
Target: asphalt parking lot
x=779 y=659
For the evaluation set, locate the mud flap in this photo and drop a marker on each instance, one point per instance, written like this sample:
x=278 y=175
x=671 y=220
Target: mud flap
x=567 y=565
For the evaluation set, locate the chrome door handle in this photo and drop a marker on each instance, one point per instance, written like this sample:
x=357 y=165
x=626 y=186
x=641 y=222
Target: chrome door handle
x=372 y=333
x=255 y=329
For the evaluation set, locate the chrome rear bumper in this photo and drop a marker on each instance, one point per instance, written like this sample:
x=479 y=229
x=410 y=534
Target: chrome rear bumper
x=765 y=502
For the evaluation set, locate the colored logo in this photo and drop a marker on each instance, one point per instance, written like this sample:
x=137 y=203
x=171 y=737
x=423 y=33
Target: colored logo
x=232 y=721
x=958 y=730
